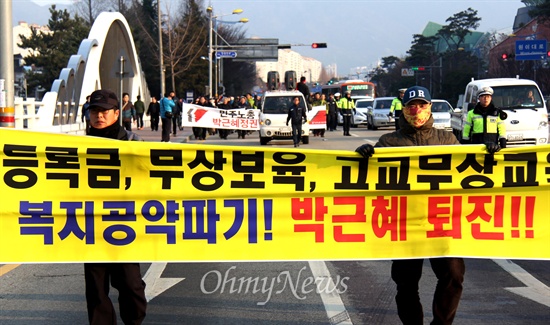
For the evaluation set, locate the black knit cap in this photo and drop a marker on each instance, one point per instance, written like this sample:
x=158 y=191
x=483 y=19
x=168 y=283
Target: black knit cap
x=103 y=99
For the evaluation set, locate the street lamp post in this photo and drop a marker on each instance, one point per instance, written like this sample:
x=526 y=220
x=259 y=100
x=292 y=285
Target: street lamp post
x=210 y=49
x=210 y=10
x=210 y=64
x=219 y=62
x=161 y=55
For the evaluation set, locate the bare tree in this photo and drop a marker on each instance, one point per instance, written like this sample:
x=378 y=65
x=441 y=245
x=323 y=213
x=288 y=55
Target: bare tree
x=185 y=42
x=90 y=9
x=183 y=39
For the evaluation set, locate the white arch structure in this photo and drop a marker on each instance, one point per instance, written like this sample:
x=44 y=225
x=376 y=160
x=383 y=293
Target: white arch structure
x=95 y=66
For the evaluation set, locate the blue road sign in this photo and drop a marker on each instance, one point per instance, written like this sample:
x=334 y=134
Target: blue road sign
x=531 y=50
x=226 y=54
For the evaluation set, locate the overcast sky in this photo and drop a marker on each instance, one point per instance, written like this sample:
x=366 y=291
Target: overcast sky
x=358 y=32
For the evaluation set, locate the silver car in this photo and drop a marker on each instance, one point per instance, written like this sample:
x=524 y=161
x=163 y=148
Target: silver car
x=378 y=115
x=441 y=111
x=359 y=113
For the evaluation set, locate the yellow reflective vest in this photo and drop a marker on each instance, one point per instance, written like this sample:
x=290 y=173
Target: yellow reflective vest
x=346 y=106
x=484 y=125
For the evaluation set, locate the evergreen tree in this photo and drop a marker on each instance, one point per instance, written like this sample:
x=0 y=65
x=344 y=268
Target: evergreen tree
x=143 y=20
x=539 y=9
x=422 y=51
x=460 y=25
x=51 y=50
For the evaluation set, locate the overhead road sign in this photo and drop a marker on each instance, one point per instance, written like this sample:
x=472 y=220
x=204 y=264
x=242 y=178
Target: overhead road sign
x=226 y=54
x=257 y=49
x=531 y=50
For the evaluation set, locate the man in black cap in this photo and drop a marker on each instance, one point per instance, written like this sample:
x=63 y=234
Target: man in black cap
x=125 y=277
x=304 y=89
x=416 y=129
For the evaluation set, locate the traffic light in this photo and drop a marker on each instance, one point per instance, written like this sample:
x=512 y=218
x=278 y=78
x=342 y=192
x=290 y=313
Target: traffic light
x=419 y=68
x=506 y=56
x=319 y=45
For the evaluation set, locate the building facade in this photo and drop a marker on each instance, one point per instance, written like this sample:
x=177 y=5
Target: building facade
x=291 y=61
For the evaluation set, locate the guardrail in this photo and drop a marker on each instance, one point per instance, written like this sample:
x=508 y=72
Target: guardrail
x=65 y=118
x=30 y=114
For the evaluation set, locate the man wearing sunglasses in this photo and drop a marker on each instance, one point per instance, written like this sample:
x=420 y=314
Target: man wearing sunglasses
x=416 y=129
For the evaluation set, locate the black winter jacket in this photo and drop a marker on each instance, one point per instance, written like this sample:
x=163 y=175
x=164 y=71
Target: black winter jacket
x=408 y=135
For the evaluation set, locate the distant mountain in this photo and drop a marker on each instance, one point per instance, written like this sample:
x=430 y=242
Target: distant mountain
x=32 y=13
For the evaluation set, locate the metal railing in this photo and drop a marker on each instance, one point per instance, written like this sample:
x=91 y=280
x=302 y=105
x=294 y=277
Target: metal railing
x=28 y=115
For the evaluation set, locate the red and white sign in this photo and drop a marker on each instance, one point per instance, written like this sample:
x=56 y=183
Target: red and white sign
x=211 y=117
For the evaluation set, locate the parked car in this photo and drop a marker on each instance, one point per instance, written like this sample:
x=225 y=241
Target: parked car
x=378 y=115
x=360 y=113
x=441 y=111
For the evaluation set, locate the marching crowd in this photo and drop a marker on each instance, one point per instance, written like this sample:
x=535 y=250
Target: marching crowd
x=167 y=112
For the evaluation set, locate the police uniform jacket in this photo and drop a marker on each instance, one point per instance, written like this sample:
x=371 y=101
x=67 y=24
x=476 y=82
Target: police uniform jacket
x=484 y=125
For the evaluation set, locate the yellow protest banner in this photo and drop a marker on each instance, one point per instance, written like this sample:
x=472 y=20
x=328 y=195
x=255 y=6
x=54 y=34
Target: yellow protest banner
x=73 y=199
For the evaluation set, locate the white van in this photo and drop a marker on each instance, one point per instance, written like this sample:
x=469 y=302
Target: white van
x=275 y=106
x=527 y=121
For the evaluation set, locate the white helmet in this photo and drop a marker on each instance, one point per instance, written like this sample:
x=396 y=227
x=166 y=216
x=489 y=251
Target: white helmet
x=485 y=91
x=337 y=95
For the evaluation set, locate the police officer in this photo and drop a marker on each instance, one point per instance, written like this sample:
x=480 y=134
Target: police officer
x=485 y=123
x=337 y=98
x=347 y=107
x=397 y=106
x=332 y=113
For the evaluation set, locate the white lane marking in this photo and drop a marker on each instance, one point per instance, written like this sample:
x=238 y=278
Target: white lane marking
x=336 y=311
x=155 y=285
x=534 y=290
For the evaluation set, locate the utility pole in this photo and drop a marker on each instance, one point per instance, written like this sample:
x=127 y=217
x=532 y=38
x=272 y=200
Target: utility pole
x=161 y=52
x=210 y=50
x=121 y=89
x=7 y=110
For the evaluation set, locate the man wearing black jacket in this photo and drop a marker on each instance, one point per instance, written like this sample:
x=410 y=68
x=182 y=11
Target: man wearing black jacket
x=304 y=89
x=297 y=114
x=125 y=277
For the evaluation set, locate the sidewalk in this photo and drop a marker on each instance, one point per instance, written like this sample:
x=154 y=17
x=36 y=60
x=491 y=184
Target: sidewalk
x=184 y=136
x=148 y=135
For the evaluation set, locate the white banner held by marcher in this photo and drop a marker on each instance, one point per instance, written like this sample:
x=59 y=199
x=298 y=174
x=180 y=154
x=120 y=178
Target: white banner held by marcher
x=317 y=117
x=211 y=117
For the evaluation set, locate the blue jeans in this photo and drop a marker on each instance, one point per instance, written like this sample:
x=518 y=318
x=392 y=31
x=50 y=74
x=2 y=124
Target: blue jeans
x=296 y=132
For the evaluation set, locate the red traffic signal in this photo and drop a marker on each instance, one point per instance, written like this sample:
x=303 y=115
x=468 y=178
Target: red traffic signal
x=507 y=56
x=319 y=45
